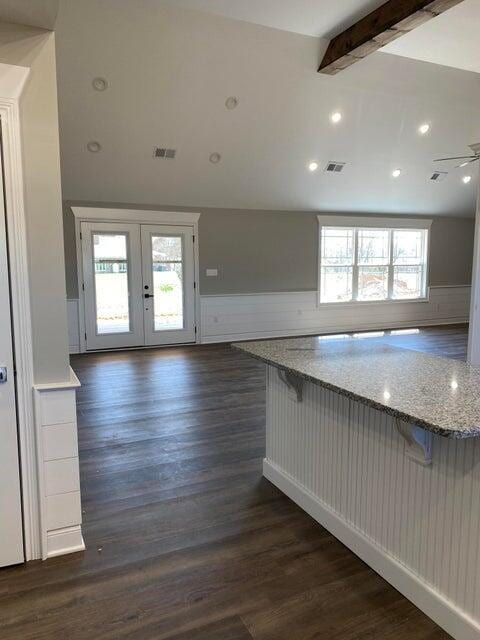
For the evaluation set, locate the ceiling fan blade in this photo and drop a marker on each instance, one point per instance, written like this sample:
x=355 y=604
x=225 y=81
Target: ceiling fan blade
x=464 y=164
x=458 y=158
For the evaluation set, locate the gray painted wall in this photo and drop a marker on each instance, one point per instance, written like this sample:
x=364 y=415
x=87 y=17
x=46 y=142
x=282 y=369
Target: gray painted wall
x=35 y=48
x=267 y=251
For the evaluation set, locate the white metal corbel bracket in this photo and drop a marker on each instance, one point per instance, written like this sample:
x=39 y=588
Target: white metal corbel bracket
x=418 y=442
x=293 y=382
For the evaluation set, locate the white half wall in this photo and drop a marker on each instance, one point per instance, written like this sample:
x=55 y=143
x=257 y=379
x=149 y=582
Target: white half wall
x=58 y=468
x=270 y=315
x=347 y=465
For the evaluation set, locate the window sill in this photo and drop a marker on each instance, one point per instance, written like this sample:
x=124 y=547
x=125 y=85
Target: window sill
x=357 y=303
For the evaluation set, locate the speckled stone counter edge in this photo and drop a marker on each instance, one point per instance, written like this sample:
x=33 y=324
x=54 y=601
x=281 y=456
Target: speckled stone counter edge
x=453 y=434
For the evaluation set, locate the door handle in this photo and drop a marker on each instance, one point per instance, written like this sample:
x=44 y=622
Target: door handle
x=148 y=295
x=3 y=374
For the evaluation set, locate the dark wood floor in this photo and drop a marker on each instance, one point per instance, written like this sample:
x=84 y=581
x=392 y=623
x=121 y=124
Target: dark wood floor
x=185 y=539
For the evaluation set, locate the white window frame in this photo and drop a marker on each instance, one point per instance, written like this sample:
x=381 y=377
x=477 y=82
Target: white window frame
x=372 y=222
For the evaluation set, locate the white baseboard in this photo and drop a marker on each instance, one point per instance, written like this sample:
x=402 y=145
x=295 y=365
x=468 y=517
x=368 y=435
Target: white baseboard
x=272 y=315
x=63 y=541
x=431 y=602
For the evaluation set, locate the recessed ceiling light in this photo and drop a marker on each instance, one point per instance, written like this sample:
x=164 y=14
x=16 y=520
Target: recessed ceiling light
x=99 y=84
x=215 y=158
x=336 y=117
x=466 y=179
x=396 y=173
x=231 y=102
x=94 y=146
x=313 y=166
x=424 y=128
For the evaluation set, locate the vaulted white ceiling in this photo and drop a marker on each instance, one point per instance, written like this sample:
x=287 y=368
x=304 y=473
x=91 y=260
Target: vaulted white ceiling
x=34 y=13
x=321 y=18
x=169 y=73
x=452 y=39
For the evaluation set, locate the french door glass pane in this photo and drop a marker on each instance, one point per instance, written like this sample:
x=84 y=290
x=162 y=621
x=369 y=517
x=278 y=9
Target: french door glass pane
x=110 y=254
x=336 y=285
x=408 y=282
x=167 y=261
x=373 y=246
x=373 y=283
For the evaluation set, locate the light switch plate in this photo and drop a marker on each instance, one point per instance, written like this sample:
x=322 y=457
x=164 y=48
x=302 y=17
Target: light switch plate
x=211 y=273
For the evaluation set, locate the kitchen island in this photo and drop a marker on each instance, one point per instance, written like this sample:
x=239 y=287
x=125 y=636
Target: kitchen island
x=380 y=445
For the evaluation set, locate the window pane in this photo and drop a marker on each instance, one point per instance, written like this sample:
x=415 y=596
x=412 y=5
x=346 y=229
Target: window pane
x=167 y=248
x=337 y=246
x=373 y=246
x=408 y=246
x=167 y=282
x=408 y=282
x=111 y=283
x=372 y=283
x=336 y=284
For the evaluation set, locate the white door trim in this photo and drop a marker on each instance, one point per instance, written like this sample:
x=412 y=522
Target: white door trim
x=142 y=216
x=12 y=81
x=99 y=214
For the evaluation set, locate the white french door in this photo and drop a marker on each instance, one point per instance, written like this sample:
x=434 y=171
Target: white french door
x=168 y=284
x=138 y=283
x=112 y=272
x=11 y=526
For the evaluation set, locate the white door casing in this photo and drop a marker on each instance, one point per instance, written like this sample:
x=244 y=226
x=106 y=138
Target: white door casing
x=13 y=79
x=11 y=526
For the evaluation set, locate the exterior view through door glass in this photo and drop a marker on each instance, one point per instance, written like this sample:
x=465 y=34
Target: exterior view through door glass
x=167 y=266
x=168 y=284
x=111 y=283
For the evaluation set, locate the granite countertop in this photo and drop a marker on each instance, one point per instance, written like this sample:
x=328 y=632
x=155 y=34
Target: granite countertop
x=436 y=393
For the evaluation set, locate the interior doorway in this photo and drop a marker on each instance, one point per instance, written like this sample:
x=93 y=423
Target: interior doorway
x=11 y=525
x=138 y=284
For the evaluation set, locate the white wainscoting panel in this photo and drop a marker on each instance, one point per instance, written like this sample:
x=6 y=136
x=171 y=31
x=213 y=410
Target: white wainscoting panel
x=418 y=526
x=60 y=441
x=227 y=318
x=243 y=317
x=73 y=326
x=61 y=476
x=58 y=468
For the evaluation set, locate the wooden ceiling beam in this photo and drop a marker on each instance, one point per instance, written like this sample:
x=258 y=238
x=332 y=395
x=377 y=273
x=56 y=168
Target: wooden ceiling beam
x=387 y=23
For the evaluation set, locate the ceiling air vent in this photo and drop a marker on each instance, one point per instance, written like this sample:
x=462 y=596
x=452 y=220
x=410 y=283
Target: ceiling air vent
x=335 y=167
x=438 y=176
x=162 y=152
